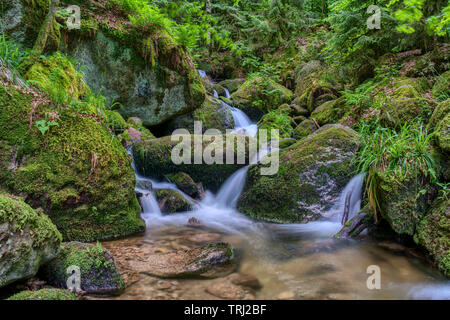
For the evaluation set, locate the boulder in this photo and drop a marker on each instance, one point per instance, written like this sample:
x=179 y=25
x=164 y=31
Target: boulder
x=75 y=171
x=27 y=240
x=98 y=271
x=441 y=88
x=46 y=295
x=171 y=201
x=433 y=233
x=312 y=174
x=259 y=95
x=304 y=129
x=186 y=184
x=153 y=159
x=440 y=123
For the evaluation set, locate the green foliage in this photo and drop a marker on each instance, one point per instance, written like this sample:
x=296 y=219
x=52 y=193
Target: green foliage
x=398 y=153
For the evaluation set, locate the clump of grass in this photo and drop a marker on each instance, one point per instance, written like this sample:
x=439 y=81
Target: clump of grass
x=399 y=152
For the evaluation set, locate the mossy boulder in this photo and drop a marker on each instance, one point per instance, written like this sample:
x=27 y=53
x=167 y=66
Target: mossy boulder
x=433 y=233
x=305 y=128
x=232 y=85
x=400 y=201
x=77 y=172
x=98 y=272
x=170 y=201
x=153 y=158
x=312 y=174
x=277 y=120
x=440 y=123
x=186 y=184
x=262 y=94
x=213 y=115
x=46 y=295
x=27 y=240
x=329 y=112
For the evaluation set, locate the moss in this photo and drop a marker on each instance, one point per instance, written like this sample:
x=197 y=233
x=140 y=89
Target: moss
x=297 y=193
x=97 y=269
x=441 y=88
x=45 y=294
x=276 y=120
x=116 y=121
x=262 y=94
x=304 y=129
x=21 y=215
x=58 y=72
x=440 y=124
x=433 y=233
x=78 y=173
x=185 y=183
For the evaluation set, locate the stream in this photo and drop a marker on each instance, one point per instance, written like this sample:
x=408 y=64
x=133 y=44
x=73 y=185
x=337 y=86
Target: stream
x=291 y=261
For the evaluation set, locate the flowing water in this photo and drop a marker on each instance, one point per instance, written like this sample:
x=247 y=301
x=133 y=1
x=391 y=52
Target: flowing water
x=292 y=261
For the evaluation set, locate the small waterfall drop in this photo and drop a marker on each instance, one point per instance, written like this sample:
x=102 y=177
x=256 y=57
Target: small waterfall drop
x=227 y=94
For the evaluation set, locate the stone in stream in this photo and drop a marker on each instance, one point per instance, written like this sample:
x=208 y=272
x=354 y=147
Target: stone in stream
x=171 y=201
x=211 y=261
x=27 y=240
x=186 y=184
x=46 y=295
x=98 y=272
x=312 y=175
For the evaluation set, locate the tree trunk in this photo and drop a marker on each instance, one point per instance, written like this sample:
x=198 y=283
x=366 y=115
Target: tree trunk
x=41 y=41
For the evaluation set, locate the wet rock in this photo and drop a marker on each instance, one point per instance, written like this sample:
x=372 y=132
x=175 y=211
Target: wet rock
x=204 y=237
x=185 y=183
x=312 y=174
x=194 y=222
x=171 y=201
x=210 y=261
x=98 y=271
x=27 y=240
x=287 y=295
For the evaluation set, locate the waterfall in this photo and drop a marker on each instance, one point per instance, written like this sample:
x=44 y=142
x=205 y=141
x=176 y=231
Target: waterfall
x=350 y=198
x=242 y=123
x=227 y=94
x=216 y=95
x=202 y=73
x=229 y=193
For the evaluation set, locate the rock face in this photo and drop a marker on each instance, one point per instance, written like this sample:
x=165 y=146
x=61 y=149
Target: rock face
x=153 y=159
x=27 y=240
x=433 y=233
x=46 y=295
x=99 y=274
x=312 y=174
x=77 y=172
x=209 y=261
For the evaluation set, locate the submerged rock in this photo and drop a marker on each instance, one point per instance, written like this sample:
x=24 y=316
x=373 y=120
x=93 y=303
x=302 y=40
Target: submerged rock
x=45 y=294
x=211 y=261
x=312 y=174
x=99 y=274
x=171 y=201
x=27 y=240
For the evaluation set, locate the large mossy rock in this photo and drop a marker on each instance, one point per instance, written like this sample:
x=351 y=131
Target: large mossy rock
x=77 y=172
x=98 y=272
x=312 y=174
x=441 y=88
x=440 y=124
x=155 y=94
x=433 y=233
x=27 y=240
x=259 y=95
x=186 y=184
x=153 y=158
x=45 y=295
